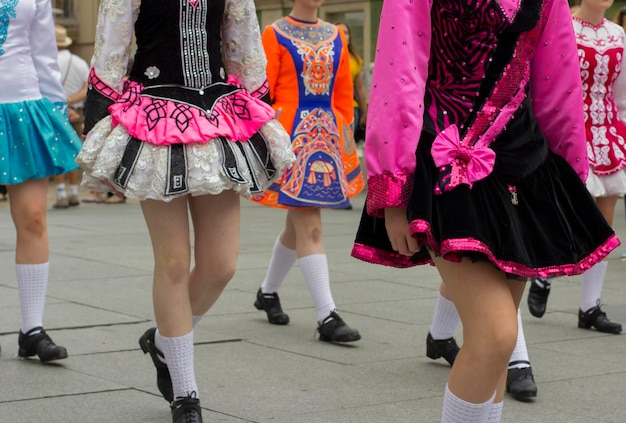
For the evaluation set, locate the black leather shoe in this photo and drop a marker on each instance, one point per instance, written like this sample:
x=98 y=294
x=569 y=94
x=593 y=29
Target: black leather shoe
x=39 y=344
x=538 y=296
x=271 y=304
x=446 y=348
x=334 y=329
x=597 y=318
x=164 y=381
x=520 y=383
x=186 y=410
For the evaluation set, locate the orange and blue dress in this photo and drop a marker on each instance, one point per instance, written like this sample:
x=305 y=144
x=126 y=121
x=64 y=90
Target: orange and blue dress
x=311 y=87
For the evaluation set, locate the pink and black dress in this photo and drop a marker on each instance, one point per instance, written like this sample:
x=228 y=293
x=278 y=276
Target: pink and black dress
x=601 y=54
x=192 y=116
x=476 y=127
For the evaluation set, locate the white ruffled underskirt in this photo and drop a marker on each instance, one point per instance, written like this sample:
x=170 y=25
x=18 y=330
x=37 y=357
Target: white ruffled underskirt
x=104 y=147
x=605 y=186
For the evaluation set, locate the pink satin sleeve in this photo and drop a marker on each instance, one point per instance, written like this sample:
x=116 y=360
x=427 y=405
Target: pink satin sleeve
x=556 y=87
x=396 y=108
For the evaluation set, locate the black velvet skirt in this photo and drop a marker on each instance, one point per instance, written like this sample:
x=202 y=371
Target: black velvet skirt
x=532 y=216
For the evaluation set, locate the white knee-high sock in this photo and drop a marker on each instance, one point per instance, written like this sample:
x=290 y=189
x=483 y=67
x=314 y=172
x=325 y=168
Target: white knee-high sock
x=495 y=413
x=593 y=279
x=445 y=319
x=314 y=269
x=178 y=352
x=32 y=283
x=519 y=358
x=282 y=261
x=158 y=338
x=456 y=410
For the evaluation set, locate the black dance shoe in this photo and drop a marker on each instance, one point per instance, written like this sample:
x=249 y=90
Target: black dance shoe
x=520 y=383
x=446 y=348
x=334 y=329
x=271 y=304
x=39 y=344
x=164 y=381
x=186 y=410
x=597 y=318
x=538 y=296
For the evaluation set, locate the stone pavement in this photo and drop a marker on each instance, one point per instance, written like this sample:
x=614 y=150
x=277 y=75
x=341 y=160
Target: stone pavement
x=99 y=303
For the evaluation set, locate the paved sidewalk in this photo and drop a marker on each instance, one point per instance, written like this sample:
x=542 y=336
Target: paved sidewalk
x=99 y=303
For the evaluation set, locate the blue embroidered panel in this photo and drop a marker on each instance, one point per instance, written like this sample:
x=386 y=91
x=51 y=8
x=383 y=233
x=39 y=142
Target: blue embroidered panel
x=7 y=11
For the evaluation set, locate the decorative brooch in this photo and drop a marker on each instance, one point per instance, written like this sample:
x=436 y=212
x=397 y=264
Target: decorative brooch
x=152 y=72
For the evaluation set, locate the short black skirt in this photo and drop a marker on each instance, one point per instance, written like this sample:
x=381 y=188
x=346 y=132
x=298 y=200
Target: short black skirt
x=532 y=216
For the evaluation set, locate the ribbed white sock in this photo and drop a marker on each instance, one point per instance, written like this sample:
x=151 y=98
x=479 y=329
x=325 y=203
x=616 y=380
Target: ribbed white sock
x=495 y=413
x=519 y=358
x=178 y=352
x=73 y=190
x=445 y=319
x=282 y=261
x=456 y=410
x=32 y=283
x=158 y=339
x=593 y=279
x=314 y=269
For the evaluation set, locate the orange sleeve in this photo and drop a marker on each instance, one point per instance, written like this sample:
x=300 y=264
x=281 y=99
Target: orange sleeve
x=272 y=52
x=343 y=94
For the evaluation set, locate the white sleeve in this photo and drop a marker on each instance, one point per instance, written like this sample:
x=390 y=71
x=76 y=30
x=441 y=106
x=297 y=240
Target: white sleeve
x=114 y=32
x=243 y=50
x=45 y=52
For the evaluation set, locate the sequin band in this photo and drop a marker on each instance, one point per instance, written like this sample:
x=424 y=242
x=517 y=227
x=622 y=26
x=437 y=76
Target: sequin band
x=387 y=190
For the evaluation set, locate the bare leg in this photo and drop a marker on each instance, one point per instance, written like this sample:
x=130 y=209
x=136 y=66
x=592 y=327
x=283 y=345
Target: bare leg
x=607 y=207
x=168 y=224
x=487 y=303
x=306 y=225
x=216 y=247
x=28 y=210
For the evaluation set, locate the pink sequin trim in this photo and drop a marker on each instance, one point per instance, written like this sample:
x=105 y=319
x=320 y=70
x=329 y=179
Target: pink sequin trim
x=377 y=256
x=455 y=249
x=471 y=159
x=236 y=116
x=387 y=190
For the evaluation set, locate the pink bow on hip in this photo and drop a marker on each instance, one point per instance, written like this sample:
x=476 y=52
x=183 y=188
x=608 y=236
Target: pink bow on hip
x=468 y=163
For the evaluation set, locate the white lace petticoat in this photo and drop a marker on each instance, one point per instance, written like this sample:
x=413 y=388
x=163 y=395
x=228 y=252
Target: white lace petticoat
x=141 y=170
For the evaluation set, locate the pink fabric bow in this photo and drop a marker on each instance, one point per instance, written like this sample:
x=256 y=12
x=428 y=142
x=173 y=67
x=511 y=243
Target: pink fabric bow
x=469 y=164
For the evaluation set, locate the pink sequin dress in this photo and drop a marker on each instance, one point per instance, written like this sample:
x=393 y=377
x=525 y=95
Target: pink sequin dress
x=475 y=127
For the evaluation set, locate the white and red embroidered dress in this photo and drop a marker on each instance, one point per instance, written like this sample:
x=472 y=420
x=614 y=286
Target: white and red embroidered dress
x=601 y=51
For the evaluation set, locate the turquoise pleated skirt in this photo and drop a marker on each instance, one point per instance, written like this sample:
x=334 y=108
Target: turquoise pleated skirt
x=36 y=141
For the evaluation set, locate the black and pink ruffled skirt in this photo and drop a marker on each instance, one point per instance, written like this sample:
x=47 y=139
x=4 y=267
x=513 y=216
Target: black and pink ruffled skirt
x=532 y=216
